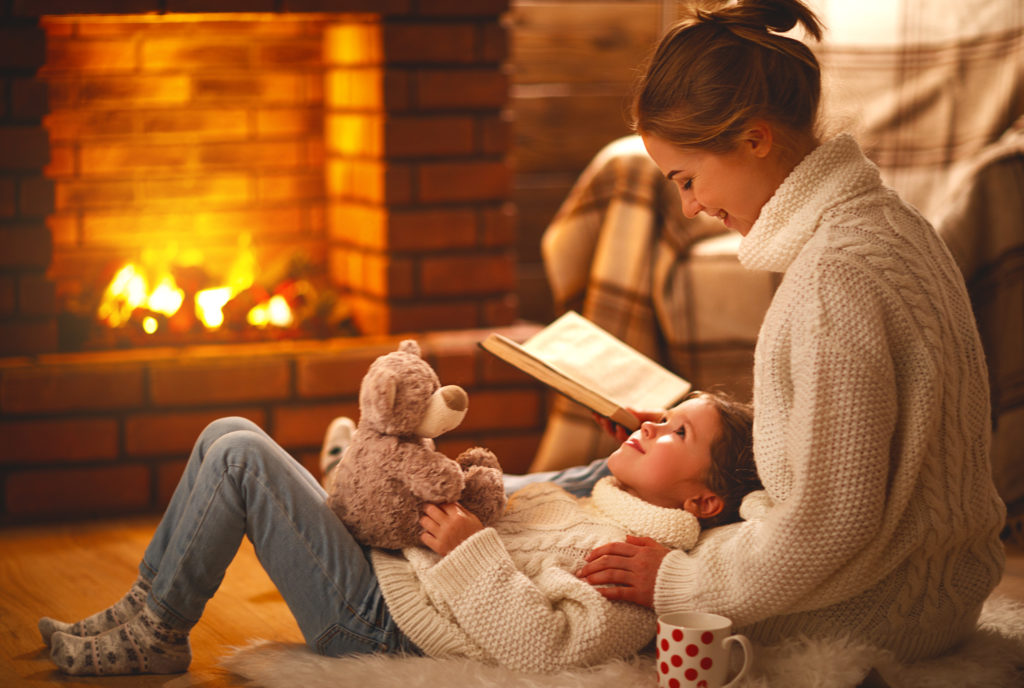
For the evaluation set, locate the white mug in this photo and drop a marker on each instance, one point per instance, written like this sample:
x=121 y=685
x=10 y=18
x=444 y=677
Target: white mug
x=693 y=650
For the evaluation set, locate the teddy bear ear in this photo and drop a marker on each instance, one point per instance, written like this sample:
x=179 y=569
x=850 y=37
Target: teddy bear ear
x=410 y=346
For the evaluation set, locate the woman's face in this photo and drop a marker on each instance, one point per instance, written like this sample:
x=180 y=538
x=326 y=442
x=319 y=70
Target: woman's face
x=666 y=463
x=731 y=186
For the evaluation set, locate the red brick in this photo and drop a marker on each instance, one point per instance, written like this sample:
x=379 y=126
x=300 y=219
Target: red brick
x=54 y=388
x=25 y=246
x=28 y=336
x=495 y=135
x=168 y=474
x=494 y=43
x=305 y=426
x=499 y=225
x=421 y=229
x=447 y=89
x=25 y=147
x=425 y=43
x=64 y=440
x=220 y=380
x=456 y=8
x=408 y=136
x=78 y=492
x=468 y=274
x=504 y=410
x=500 y=310
x=427 y=316
x=8 y=296
x=441 y=182
x=37 y=295
x=8 y=206
x=36 y=197
x=29 y=99
x=174 y=434
x=336 y=374
x=24 y=47
x=515 y=452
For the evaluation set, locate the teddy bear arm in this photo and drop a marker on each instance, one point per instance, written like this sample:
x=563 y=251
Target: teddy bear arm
x=433 y=477
x=484 y=494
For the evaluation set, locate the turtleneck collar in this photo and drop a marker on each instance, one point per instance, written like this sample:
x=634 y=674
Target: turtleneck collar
x=673 y=528
x=831 y=174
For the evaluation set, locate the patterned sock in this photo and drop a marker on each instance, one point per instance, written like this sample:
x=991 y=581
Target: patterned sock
x=115 y=615
x=144 y=645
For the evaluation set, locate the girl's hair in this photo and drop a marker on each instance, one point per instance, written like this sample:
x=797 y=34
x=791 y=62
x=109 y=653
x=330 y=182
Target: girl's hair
x=732 y=474
x=716 y=70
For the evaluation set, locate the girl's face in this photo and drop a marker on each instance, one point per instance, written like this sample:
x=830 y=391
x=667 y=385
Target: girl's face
x=731 y=186
x=665 y=463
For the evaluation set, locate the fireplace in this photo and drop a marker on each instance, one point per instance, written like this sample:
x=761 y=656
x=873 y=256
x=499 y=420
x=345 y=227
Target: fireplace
x=359 y=152
x=357 y=145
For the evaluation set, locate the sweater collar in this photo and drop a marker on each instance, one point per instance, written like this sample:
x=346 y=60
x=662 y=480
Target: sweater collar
x=831 y=174
x=673 y=528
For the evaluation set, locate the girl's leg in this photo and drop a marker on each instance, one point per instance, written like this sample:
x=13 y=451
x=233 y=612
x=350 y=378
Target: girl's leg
x=576 y=480
x=246 y=485
x=128 y=606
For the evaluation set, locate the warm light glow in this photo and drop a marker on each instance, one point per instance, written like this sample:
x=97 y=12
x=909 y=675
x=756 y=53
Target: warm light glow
x=280 y=312
x=166 y=298
x=209 y=305
x=126 y=292
x=149 y=324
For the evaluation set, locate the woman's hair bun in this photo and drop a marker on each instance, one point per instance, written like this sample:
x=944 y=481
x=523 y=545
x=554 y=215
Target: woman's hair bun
x=775 y=16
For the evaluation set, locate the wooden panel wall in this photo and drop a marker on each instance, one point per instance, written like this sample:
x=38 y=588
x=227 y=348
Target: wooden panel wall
x=573 y=63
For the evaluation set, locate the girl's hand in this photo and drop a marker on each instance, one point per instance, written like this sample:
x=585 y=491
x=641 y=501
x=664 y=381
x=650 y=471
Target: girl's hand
x=620 y=433
x=446 y=526
x=630 y=567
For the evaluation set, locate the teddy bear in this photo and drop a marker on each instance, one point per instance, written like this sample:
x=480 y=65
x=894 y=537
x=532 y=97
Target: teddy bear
x=391 y=469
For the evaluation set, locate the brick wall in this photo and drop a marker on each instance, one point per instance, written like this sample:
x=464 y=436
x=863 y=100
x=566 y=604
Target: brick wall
x=28 y=314
x=108 y=433
x=373 y=139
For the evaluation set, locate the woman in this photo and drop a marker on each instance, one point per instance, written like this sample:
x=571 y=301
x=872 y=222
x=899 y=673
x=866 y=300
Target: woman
x=872 y=428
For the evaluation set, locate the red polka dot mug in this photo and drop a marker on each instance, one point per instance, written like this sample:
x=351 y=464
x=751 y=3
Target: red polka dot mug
x=693 y=650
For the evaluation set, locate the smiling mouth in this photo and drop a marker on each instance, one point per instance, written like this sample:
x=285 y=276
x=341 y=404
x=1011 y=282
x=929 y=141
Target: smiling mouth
x=632 y=442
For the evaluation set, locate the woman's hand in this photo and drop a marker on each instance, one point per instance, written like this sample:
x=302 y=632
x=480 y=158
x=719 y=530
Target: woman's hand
x=631 y=567
x=446 y=526
x=620 y=433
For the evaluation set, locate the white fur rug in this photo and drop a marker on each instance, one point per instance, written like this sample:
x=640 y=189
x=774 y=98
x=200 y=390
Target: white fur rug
x=993 y=658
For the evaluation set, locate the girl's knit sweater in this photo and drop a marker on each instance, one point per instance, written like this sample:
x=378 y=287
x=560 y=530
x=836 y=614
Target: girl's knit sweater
x=871 y=430
x=509 y=595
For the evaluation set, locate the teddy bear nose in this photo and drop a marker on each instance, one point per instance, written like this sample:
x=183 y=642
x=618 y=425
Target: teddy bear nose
x=454 y=397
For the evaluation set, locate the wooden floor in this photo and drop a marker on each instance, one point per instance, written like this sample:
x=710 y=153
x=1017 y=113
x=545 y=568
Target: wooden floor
x=71 y=571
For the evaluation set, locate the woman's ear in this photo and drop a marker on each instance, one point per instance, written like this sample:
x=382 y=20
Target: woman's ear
x=705 y=505
x=759 y=137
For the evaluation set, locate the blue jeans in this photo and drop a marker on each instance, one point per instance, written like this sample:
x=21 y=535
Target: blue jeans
x=576 y=480
x=239 y=482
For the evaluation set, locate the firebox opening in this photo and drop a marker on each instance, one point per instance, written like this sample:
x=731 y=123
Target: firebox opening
x=188 y=157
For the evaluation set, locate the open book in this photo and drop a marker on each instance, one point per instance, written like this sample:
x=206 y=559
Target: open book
x=593 y=368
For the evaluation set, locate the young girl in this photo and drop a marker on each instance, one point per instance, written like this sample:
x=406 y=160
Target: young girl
x=872 y=430
x=506 y=594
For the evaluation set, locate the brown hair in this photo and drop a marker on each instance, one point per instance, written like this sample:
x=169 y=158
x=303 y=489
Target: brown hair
x=716 y=70
x=732 y=474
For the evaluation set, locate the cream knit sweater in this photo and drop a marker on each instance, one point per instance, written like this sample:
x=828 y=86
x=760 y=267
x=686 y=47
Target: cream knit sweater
x=509 y=595
x=871 y=430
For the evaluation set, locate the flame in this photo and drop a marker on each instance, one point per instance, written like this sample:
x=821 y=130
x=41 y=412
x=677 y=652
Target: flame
x=130 y=290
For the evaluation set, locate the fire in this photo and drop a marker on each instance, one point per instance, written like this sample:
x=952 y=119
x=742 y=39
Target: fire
x=148 y=292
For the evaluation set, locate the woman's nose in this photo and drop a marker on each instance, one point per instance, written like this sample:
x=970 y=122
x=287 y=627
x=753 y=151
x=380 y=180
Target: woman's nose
x=690 y=205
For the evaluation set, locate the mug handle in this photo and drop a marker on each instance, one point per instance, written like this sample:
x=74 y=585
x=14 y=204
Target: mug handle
x=747 y=654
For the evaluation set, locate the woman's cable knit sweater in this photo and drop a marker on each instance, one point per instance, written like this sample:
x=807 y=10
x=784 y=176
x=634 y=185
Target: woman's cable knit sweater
x=509 y=595
x=871 y=431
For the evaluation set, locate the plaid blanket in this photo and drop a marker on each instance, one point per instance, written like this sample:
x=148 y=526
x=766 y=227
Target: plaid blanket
x=933 y=90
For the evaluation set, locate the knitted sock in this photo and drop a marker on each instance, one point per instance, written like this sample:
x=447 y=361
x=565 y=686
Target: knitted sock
x=144 y=645
x=115 y=615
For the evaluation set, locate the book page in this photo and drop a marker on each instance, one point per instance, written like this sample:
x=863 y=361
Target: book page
x=604 y=362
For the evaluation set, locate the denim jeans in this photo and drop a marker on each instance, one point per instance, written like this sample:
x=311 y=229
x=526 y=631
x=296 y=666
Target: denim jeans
x=239 y=482
x=576 y=480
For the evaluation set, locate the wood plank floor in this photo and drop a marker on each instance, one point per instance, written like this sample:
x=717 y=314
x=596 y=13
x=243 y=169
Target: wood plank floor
x=70 y=571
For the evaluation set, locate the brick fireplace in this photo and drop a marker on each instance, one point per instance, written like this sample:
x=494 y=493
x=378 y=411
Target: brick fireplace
x=367 y=136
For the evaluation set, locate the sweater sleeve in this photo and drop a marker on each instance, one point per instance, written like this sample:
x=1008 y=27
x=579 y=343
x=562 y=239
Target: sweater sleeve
x=827 y=455
x=545 y=623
